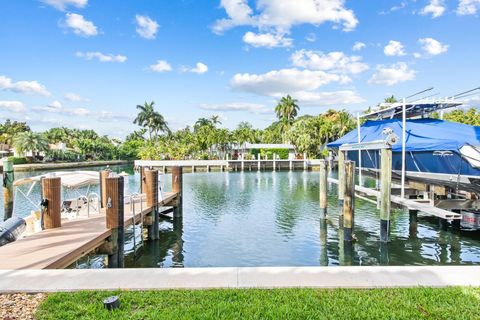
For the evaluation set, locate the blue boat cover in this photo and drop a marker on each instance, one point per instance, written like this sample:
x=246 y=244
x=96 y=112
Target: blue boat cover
x=422 y=134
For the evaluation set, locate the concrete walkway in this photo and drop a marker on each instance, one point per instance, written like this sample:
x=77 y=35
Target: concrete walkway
x=262 y=277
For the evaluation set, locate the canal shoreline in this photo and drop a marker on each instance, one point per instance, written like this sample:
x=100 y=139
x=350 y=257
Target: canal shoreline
x=238 y=277
x=65 y=165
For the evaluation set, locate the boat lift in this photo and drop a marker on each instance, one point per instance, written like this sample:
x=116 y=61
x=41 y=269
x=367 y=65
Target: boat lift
x=416 y=108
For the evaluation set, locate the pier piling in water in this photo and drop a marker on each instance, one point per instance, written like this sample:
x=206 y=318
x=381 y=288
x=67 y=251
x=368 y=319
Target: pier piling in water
x=341 y=178
x=323 y=189
x=177 y=187
x=385 y=192
x=8 y=178
x=115 y=220
x=52 y=202
x=151 y=190
x=349 y=200
x=103 y=178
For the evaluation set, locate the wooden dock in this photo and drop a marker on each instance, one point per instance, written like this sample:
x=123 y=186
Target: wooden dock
x=410 y=204
x=60 y=247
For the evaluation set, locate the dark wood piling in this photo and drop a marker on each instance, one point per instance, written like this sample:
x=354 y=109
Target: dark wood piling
x=114 y=188
x=323 y=186
x=349 y=200
x=341 y=178
x=151 y=190
x=52 y=202
x=177 y=187
x=8 y=178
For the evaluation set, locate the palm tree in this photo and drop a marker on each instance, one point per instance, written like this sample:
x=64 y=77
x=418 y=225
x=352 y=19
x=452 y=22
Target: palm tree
x=30 y=141
x=215 y=120
x=148 y=118
x=287 y=109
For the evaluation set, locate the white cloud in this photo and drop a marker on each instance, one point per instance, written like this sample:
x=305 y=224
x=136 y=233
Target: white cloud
x=268 y=40
x=436 y=8
x=237 y=106
x=432 y=47
x=146 y=27
x=63 y=4
x=161 y=66
x=199 y=68
x=13 y=106
x=337 y=62
x=28 y=87
x=390 y=75
x=281 y=15
x=101 y=57
x=357 y=46
x=468 y=7
x=321 y=99
x=394 y=48
x=57 y=107
x=284 y=81
x=80 y=26
x=70 y=96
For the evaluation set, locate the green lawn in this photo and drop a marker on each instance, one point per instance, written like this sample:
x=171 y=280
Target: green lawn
x=418 y=303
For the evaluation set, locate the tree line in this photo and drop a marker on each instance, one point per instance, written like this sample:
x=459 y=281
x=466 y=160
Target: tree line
x=206 y=139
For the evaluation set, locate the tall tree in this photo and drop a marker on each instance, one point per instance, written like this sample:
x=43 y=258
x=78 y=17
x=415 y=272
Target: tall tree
x=286 y=110
x=148 y=118
x=30 y=141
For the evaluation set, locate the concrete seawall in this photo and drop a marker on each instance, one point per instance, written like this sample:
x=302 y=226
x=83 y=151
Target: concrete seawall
x=66 y=165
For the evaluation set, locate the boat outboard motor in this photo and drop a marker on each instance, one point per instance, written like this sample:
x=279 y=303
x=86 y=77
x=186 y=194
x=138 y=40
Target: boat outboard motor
x=11 y=229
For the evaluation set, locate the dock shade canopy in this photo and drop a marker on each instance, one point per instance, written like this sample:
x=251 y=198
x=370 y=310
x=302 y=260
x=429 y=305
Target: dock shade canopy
x=69 y=179
x=421 y=134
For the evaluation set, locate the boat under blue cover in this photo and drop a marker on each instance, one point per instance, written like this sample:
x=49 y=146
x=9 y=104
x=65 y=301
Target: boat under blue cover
x=432 y=146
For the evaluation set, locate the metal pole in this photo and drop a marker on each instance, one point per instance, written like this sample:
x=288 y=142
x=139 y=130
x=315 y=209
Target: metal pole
x=359 y=151
x=404 y=141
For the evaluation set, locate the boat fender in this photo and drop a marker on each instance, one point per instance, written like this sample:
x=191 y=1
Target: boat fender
x=11 y=229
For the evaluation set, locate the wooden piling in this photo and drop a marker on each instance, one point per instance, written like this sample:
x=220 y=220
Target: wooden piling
x=385 y=190
x=243 y=166
x=103 y=178
x=341 y=178
x=52 y=202
x=258 y=162
x=177 y=187
x=323 y=189
x=274 y=162
x=151 y=190
x=8 y=178
x=349 y=200
x=305 y=161
x=115 y=220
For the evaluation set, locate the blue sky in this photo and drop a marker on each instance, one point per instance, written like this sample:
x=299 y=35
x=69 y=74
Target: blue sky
x=88 y=63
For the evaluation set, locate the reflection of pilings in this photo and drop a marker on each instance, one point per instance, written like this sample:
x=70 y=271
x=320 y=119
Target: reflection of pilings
x=413 y=225
x=345 y=249
x=384 y=260
x=177 y=246
x=323 y=243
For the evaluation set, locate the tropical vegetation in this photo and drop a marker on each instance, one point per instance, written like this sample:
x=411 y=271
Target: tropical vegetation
x=206 y=139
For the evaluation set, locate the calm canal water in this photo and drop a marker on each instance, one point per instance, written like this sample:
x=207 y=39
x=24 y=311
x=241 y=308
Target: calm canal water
x=272 y=219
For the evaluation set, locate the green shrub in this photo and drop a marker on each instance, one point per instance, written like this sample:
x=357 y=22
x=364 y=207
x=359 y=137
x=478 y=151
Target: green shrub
x=18 y=160
x=280 y=152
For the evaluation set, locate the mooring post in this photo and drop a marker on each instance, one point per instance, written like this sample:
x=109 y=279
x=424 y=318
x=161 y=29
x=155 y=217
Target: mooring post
x=8 y=178
x=274 y=162
x=177 y=187
x=242 y=161
x=52 y=202
x=304 y=161
x=103 y=180
x=258 y=161
x=290 y=164
x=385 y=192
x=115 y=220
x=341 y=178
x=193 y=169
x=349 y=200
x=151 y=190
x=323 y=189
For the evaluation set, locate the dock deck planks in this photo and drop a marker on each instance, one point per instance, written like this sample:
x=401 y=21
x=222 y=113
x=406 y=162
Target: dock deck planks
x=60 y=247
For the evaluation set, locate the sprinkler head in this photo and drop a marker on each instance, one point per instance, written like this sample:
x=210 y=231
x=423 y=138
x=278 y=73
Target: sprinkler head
x=111 y=303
